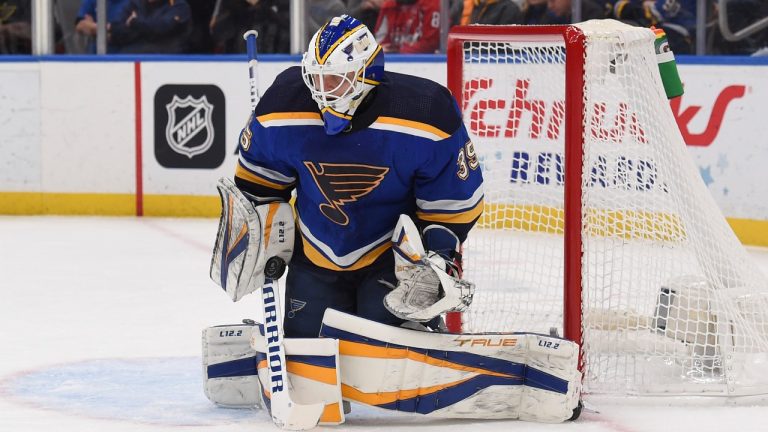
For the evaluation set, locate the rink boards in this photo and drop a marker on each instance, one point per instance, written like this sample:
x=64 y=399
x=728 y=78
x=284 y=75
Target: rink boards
x=150 y=135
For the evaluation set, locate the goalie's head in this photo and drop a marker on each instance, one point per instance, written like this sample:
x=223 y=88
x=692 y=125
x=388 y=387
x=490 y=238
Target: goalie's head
x=342 y=64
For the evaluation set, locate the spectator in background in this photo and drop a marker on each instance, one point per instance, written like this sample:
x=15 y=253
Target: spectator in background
x=367 y=11
x=85 y=23
x=495 y=12
x=200 y=40
x=559 y=11
x=534 y=11
x=455 y=11
x=676 y=17
x=466 y=11
x=15 y=27
x=152 y=26
x=271 y=18
x=409 y=26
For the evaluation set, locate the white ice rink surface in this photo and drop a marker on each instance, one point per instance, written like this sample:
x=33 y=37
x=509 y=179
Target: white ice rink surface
x=100 y=322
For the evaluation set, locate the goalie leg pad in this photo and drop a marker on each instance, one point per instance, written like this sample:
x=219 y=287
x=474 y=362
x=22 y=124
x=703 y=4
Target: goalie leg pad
x=313 y=373
x=229 y=366
x=247 y=237
x=489 y=376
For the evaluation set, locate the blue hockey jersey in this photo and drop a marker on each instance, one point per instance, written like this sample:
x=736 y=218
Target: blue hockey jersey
x=406 y=151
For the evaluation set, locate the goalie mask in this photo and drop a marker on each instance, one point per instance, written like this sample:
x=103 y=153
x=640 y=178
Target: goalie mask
x=342 y=64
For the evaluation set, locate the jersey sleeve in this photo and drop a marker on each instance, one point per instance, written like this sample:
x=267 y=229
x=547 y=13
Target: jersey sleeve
x=260 y=169
x=449 y=187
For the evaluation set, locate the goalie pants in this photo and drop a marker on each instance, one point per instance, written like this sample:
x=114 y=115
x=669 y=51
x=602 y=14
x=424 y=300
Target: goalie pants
x=310 y=290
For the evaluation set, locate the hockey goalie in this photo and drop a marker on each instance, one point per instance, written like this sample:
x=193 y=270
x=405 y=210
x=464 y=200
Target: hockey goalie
x=484 y=376
x=380 y=162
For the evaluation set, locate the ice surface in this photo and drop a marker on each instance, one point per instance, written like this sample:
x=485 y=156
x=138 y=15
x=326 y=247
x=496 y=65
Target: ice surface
x=101 y=321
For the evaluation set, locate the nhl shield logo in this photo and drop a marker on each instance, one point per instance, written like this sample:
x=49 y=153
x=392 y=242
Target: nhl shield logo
x=189 y=130
x=189 y=127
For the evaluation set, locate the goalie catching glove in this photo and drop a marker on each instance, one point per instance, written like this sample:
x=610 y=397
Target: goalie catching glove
x=253 y=241
x=427 y=284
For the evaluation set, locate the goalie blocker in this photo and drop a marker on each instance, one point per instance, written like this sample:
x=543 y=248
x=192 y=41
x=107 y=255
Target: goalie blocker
x=250 y=235
x=522 y=376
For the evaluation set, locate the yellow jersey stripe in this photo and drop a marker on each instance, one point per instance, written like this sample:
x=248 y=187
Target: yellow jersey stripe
x=320 y=260
x=403 y=124
x=463 y=217
x=248 y=176
x=289 y=116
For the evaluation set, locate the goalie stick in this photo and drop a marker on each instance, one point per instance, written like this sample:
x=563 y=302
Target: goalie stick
x=285 y=412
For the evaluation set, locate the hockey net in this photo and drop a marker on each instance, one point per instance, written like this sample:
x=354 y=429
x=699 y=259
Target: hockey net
x=597 y=222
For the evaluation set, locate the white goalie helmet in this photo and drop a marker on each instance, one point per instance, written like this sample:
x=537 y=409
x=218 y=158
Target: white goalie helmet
x=342 y=64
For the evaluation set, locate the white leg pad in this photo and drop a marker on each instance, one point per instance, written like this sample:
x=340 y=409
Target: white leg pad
x=229 y=366
x=489 y=376
x=313 y=373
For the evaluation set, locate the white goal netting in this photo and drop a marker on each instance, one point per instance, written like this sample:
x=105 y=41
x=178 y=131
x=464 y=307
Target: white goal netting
x=671 y=302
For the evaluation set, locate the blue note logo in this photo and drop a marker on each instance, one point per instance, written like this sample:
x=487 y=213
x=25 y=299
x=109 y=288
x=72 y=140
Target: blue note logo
x=189 y=126
x=295 y=306
x=342 y=184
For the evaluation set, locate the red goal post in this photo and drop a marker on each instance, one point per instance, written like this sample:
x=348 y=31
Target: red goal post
x=597 y=222
x=574 y=41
